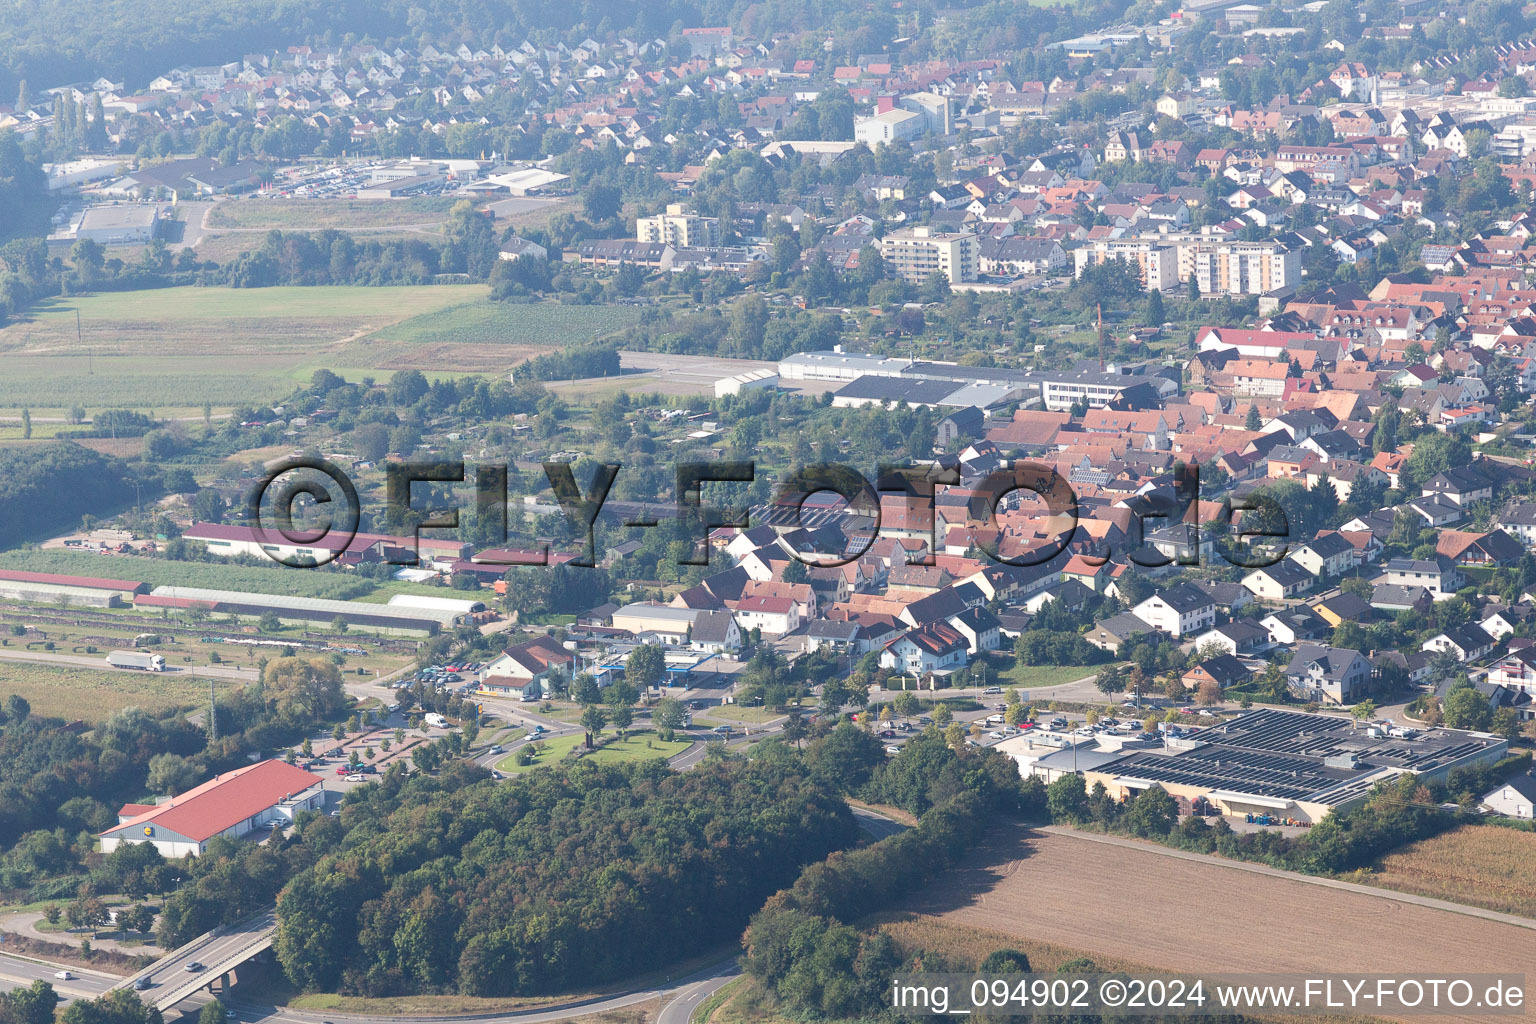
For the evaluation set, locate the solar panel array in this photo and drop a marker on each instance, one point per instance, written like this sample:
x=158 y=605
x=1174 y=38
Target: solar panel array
x=1286 y=778
x=1285 y=755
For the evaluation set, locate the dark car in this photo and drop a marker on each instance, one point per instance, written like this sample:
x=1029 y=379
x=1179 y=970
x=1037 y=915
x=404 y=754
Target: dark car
x=141 y=984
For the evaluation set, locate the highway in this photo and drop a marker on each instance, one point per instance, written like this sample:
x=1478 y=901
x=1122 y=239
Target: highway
x=100 y=663
x=219 y=951
x=20 y=972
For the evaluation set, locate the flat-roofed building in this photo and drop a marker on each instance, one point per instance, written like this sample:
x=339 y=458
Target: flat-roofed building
x=1155 y=262
x=915 y=254
x=889 y=126
x=1245 y=268
x=1290 y=764
x=663 y=620
x=119 y=225
x=678 y=227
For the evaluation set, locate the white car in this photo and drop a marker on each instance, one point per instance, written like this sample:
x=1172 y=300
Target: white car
x=356 y=777
x=63 y=975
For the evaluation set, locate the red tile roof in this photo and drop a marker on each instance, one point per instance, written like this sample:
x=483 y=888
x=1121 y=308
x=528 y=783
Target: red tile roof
x=224 y=801
x=87 y=582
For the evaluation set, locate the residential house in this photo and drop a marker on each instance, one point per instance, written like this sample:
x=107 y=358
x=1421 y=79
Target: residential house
x=1277 y=582
x=935 y=647
x=522 y=671
x=1326 y=674
x=1327 y=554
x=1439 y=576
x=1468 y=642
x=715 y=632
x=1223 y=671
x=1516 y=798
x=1180 y=610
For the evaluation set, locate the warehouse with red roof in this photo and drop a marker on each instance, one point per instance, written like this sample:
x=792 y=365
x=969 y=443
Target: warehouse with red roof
x=230 y=804
x=85 y=591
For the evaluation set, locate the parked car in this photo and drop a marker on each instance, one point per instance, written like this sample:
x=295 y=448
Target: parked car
x=993 y=689
x=356 y=777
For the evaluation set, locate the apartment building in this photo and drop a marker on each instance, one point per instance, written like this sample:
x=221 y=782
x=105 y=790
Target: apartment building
x=1245 y=268
x=679 y=227
x=1155 y=261
x=915 y=253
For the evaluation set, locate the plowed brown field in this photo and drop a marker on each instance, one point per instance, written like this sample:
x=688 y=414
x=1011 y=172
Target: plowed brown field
x=1143 y=906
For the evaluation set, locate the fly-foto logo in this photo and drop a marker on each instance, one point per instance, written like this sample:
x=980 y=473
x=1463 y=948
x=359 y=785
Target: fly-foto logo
x=981 y=511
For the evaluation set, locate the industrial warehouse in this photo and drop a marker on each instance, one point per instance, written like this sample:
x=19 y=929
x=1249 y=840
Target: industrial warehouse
x=885 y=380
x=84 y=591
x=1290 y=764
x=405 y=613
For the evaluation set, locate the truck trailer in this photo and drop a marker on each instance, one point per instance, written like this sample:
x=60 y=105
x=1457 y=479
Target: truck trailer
x=140 y=660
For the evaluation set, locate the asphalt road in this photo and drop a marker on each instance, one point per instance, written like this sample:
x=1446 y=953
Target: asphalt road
x=687 y=999
x=170 y=972
x=100 y=663
x=876 y=824
x=20 y=972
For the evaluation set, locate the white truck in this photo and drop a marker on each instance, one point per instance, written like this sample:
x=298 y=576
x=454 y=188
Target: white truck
x=141 y=660
x=435 y=720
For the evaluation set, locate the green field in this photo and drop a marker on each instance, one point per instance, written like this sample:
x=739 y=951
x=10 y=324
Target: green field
x=152 y=348
x=480 y=336
x=637 y=746
x=80 y=693
x=553 y=751
x=1043 y=675
x=210 y=575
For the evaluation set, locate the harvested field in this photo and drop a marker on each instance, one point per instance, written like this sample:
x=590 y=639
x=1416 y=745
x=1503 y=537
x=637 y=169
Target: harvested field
x=80 y=693
x=148 y=349
x=1170 y=913
x=1482 y=865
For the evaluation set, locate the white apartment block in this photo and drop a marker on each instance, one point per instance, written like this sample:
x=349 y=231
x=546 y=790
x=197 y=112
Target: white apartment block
x=1245 y=268
x=915 y=253
x=679 y=227
x=1155 y=261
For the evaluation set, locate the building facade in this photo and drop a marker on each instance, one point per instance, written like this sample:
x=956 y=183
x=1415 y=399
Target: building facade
x=1155 y=262
x=914 y=254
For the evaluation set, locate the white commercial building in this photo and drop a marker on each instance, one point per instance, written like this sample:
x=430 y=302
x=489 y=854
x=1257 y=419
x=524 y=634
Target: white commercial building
x=231 y=804
x=890 y=126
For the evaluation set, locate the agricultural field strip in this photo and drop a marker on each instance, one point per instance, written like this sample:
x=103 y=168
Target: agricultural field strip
x=1328 y=883
x=1174 y=912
